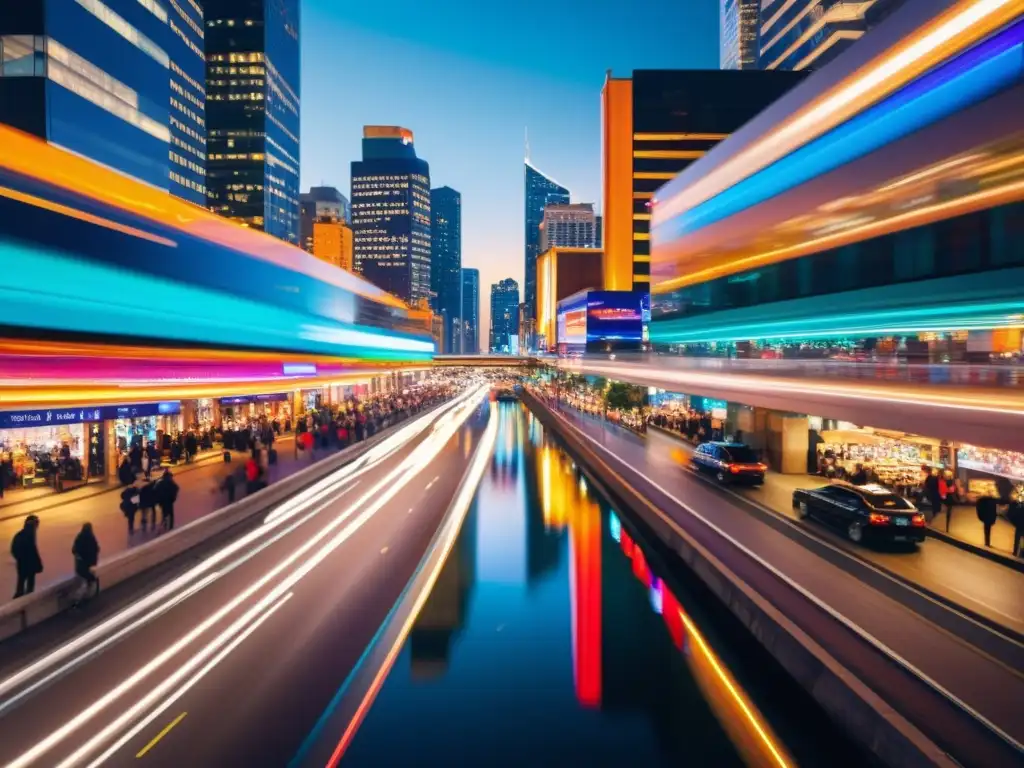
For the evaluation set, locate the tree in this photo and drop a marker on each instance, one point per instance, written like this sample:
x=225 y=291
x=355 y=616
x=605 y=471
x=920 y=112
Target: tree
x=618 y=397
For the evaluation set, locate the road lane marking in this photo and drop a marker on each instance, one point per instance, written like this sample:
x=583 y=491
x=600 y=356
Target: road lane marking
x=383 y=550
x=156 y=739
x=431 y=483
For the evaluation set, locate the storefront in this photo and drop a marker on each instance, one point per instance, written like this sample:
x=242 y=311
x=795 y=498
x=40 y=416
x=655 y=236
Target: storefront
x=239 y=413
x=991 y=472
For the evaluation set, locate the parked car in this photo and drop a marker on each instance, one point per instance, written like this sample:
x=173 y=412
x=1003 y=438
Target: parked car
x=864 y=512
x=729 y=463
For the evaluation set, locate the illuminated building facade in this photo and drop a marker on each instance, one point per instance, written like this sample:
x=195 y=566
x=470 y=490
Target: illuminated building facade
x=318 y=203
x=332 y=242
x=894 y=228
x=655 y=125
x=470 y=337
x=807 y=34
x=562 y=272
x=252 y=84
x=391 y=213
x=446 y=259
x=570 y=225
x=505 y=316
x=740 y=30
x=117 y=81
x=540 y=192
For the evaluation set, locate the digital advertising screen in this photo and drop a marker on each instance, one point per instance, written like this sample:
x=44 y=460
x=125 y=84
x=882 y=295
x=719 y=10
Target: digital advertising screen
x=572 y=323
x=615 y=319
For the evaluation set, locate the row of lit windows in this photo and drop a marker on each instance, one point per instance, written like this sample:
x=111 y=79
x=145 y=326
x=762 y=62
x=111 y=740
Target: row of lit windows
x=245 y=187
x=252 y=57
x=244 y=133
x=258 y=81
x=274 y=160
x=185 y=110
x=378 y=205
x=185 y=162
x=187 y=78
x=187 y=147
x=247 y=69
x=187 y=130
x=272 y=118
x=187 y=94
x=282 y=150
x=276 y=90
x=275 y=76
x=125 y=30
x=188 y=20
x=155 y=8
x=230 y=22
x=238 y=156
x=198 y=8
x=363 y=179
x=249 y=96
x=184 y=181
x=384 y=239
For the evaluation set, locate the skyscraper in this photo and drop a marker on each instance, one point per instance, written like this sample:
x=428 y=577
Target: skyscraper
x=654 y=125
x=504 y=316
x=318 y=203
x=446 y=259
x=470 y=311
x=332 y=241
x=252 y=91
x=119 y=82
x=572 y=225
x=807 y=34
x=740 y=33
x=541 y=191
x=391 y=213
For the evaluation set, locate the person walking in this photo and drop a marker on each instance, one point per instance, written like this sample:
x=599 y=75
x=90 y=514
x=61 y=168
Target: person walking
x=930 y=489
x=947 y=492
x=86 y=551
x=1015 y=514
x=147 y=504
x=125 y=473
x=130 y=506
x=986 y=509
x=166 y=495
x=25 y=552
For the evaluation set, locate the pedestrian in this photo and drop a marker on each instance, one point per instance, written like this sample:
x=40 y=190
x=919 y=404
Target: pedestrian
x=252 y=474
x=986 y=509
x=125 y=473
x=145 y=464
x=1015 y=514
x=25 y=552
x=147 y=504
x=930 y=489
x=227 y=484
x=167 y=494
x=86 y=551
x=947 y=492
x=129 y=506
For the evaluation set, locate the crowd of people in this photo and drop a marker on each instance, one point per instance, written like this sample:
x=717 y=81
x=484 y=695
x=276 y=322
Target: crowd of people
x=323 y=429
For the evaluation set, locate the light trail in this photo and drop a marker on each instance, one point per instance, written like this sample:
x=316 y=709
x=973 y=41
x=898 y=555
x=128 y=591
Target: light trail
x=159 y=601
x=381 y=493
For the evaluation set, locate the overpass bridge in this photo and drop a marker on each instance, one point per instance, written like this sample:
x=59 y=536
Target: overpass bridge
x=484 y=361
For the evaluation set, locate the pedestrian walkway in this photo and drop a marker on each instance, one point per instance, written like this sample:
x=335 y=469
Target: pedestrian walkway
x=959 y=576
x=199 y=495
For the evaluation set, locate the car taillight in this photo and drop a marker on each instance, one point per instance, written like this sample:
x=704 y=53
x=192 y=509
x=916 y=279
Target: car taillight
x=918 y=520
x=734 y=469
x=876 y=519
x=762 y=467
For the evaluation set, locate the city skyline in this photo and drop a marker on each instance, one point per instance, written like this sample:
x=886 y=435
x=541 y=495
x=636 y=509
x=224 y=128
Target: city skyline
x=481 y=152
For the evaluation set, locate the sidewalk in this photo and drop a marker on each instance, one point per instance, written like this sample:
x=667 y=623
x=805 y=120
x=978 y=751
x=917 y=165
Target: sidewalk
x=777 y=492
x=58 y=525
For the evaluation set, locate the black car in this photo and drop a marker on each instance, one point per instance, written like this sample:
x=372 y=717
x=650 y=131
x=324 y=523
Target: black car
x=864 y=512
x=729 y=463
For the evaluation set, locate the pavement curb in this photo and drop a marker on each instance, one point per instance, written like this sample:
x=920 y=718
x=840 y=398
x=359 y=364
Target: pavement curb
x=873 y=723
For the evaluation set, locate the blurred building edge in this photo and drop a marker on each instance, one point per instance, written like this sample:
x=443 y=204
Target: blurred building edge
x=316 y=204
x=123 y=87
x=332 y=242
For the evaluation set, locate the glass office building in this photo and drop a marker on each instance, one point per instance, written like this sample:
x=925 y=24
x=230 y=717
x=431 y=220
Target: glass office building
x=540 y=191
x=117 y=81
x=252 y=81
x=470 y=311
x=446 y=259
x=740 y=32
x=391 y=213
x=504 y=316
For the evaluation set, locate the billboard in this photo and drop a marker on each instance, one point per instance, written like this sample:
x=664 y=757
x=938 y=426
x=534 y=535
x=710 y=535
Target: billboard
x=615 y=319
x=572 y=322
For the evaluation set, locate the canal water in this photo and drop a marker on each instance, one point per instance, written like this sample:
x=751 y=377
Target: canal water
x=554 y=636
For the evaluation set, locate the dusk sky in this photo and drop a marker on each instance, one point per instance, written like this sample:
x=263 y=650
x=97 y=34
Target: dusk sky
x=469 y=79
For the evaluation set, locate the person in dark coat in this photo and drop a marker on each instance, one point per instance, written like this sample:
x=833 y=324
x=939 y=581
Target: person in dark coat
x=986 y=509
x=147 y=504
x=86 y=551
x=25 y=552
x=129 y=506
x=860 y=477
x=125 y=473
x=166 y=495
x=191 y=447
x=1015 y=514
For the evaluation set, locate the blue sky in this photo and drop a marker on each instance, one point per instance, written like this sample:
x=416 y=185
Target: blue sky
x=468 y=78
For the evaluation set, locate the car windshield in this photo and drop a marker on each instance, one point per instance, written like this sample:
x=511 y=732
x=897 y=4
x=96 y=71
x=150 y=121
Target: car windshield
x=741 y=454
x=888 y=501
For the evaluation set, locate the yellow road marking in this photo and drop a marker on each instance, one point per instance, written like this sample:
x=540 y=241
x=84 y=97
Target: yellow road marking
x=160 y=735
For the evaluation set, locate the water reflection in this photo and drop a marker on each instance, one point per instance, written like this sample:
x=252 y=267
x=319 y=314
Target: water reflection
x=548 y=640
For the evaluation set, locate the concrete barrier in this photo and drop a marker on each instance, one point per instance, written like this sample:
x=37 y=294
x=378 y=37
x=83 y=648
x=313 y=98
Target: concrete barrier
x=864 y=715
x=22 y=613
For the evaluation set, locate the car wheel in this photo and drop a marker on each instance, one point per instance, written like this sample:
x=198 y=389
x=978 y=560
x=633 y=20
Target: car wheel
x=855 y=532
x=720 y=477
x=803 y=511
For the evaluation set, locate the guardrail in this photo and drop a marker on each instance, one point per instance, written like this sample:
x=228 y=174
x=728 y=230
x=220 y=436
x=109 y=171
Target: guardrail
x=24 y=612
